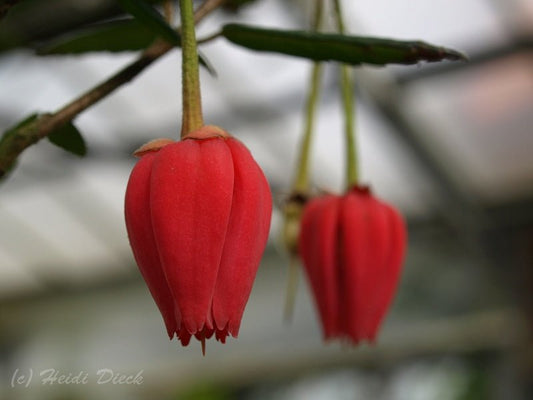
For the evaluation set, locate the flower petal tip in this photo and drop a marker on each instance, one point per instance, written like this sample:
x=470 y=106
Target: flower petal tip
x=151 y=146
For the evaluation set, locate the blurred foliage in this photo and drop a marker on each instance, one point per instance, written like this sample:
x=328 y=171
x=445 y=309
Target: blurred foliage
x=235 y=5
x=151 y=19
x=477 y=387
x=68 y=30
x=32 y=23
x=114 y=36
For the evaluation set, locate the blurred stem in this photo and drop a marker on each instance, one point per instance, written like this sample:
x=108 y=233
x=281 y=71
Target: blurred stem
x=352 y=172
x=192 y=118
x=292 y=287
x=346 y=82
x=301 y=183
x=294 y=206
x=209 y=38
x=14 y=143
x=338 y=16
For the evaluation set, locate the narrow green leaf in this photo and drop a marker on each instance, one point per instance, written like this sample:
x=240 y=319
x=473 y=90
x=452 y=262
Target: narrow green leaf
x=114 y=36
x=69 y=138
x=353 y=50
x=150 y=18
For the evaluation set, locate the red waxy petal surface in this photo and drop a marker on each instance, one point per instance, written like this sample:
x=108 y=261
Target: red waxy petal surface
x=198 y=215
x=247 y=233
x=318 y=247
x=352 y=247
x=140 y=233
x=192 y=190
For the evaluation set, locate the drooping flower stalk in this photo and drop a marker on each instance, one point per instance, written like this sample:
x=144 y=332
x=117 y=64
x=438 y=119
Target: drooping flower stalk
x=191 y=98
x=352 y=245
x=301 y=183
x=348 y=101
x=300 y=189
x=198 y=215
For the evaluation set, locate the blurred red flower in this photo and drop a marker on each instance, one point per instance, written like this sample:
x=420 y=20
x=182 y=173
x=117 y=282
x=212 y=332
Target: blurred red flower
x=352 y=247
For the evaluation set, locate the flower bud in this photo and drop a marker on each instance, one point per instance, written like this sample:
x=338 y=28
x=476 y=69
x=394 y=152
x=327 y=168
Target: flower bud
x=198 y=215
x=352 y=247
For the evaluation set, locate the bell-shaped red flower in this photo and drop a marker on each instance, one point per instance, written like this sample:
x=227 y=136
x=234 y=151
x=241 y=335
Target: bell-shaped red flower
x=198 y=215
x=352 y=248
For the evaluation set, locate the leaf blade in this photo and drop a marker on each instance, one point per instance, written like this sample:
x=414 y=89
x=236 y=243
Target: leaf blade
x=353 y=50
x=114 y=36
x=69 y=138
x=149 y=17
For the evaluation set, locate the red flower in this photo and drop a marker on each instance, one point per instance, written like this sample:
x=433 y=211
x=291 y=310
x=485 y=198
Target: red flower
x=352 y=248
x=198 y=215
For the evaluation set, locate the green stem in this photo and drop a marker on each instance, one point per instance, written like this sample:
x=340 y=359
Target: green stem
x=338 y=16
x=292 y=287
x=301 y=183
x=293 y=208
x=352 y=170
x=192 y=102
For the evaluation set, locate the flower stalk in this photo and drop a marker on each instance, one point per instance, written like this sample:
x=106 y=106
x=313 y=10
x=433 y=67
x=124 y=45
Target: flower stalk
x=300 y=188
x=192 y=118
x=346 y=82
x=301 y=183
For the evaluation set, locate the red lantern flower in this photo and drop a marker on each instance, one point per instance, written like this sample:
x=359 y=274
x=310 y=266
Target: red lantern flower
x=352 y=248
x=198 y=215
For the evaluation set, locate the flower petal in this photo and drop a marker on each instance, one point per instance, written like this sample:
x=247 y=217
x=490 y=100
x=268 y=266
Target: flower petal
x=192 y=189
x=141 y=236
x=246 y=237
x=318 y=248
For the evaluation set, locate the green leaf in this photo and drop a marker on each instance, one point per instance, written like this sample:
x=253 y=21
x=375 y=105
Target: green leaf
x=150 y=18
x=353 y=50
x=69 y=138
x=26 y=121
x=114 y=36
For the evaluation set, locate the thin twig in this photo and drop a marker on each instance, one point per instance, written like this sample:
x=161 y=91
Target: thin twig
x=209 y=38
x=12 y=144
